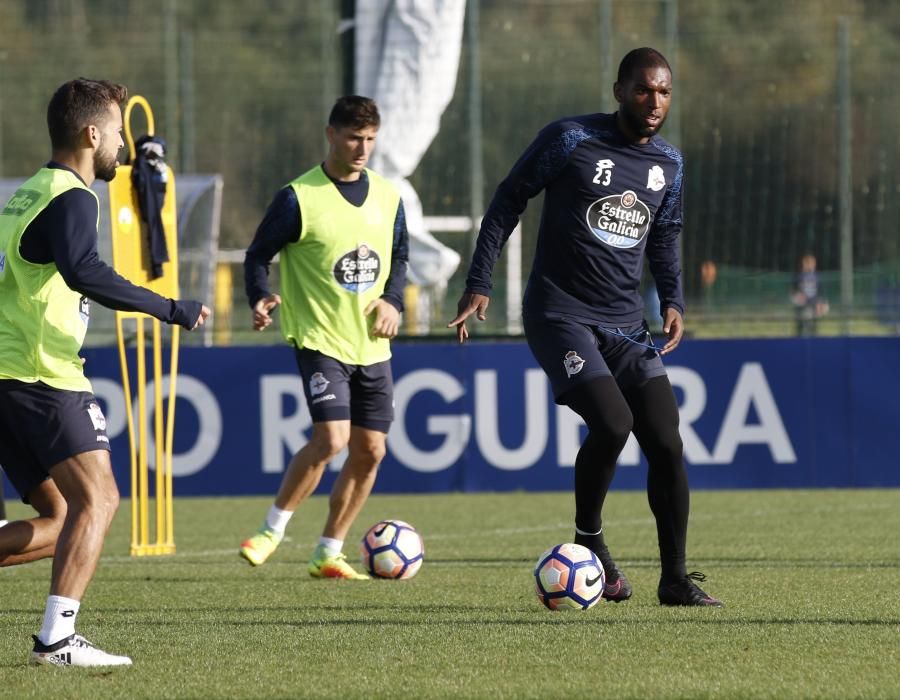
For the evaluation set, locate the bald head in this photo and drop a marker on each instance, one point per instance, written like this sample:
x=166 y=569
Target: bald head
x=641 y=59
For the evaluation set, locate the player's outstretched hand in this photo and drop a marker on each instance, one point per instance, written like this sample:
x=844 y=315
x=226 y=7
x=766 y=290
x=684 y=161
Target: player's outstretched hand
x=469 y=303
x=201 y=319
x=673 y=327
x=262 y=311
x=386 y=323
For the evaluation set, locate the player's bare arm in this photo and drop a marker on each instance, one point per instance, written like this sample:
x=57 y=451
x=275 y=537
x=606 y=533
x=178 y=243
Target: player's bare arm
x=673 y=327
x=262 y=311
x=469 y=303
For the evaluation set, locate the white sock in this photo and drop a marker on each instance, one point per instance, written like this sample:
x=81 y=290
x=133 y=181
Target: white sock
x=331 y=545
x=59 y=619
x=582 y=532
x=278 y=519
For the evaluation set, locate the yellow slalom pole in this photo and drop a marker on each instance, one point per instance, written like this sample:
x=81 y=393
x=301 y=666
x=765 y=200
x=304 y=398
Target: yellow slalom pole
x=129 y=417
x=126 y=121
x=158 y=431
x=131 y=260
x=411 y=304
x=170 y=442
x=142 y=433
x=224 y=298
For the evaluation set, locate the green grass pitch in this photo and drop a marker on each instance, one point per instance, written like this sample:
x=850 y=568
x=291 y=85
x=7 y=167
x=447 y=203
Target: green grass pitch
x=810 y=580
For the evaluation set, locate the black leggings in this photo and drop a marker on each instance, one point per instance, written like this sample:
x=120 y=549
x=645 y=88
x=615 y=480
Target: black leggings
x=650 y=411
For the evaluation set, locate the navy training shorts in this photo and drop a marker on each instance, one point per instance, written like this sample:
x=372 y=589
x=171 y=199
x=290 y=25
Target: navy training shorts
x=572 y=352
x=41 y=426
x=362 y=394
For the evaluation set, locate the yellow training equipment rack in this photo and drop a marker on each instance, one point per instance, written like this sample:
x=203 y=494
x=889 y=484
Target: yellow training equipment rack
x=131 y=259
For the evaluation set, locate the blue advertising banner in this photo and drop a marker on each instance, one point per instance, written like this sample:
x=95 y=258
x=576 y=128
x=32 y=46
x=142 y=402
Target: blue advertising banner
x=788 y=413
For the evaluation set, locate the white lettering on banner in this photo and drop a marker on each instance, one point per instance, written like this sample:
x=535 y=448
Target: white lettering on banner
x=692 y=406
x=752 y=388
x=487 y=430
x=570 y=434
x=281 y=436
x=337 y=462
x=209 y=433
x=110 y=393
x=456 y=429
x=630 y=456
x=569 y=431
x=278 y=431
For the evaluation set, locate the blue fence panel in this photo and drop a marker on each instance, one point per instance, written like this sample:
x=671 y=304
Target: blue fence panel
x=786 y=413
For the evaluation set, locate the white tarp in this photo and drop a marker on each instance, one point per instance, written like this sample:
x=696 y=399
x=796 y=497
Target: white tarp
x=407 y=58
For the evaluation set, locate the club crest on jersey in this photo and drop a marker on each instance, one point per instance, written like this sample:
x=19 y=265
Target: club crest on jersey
x=358 y=270
x=573 y=363
x=619 y=220
x=84 y=310
x=656 y=179
x=317 y=384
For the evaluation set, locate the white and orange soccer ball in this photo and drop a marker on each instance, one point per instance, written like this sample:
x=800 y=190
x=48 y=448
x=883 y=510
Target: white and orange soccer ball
x=569 y=576
x=392 y=549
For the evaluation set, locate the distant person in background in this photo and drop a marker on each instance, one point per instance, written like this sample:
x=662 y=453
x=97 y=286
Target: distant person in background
x=53 y=442
x=612 y=194
x=708 y=275
x=810 y=307
x=340 y=231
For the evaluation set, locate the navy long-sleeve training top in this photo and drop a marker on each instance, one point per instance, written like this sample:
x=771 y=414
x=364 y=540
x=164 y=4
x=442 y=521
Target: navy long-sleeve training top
x=65 y=233
x=281 y=225
x=607 y=203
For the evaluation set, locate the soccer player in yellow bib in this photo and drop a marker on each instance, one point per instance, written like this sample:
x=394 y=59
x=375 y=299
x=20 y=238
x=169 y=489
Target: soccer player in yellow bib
x=53 y=441
x=340 y=231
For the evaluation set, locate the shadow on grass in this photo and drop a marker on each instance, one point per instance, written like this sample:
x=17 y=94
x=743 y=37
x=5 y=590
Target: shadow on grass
x=474 y=615
x=296 y=569
x=567 y=621
x=729 y=562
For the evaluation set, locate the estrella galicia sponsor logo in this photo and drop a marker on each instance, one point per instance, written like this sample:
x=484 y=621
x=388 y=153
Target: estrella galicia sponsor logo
x=317 y=383
x=619 y=220
x=21 y=202
x=358 y=270
x=84 y=310
x=573 y=363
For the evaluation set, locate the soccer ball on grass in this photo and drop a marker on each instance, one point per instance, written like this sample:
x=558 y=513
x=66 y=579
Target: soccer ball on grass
x=569 y=576
x=392 y=549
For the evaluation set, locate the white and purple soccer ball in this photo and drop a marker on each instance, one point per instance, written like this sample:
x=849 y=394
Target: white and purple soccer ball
x=392 y=549
x=569 y=576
